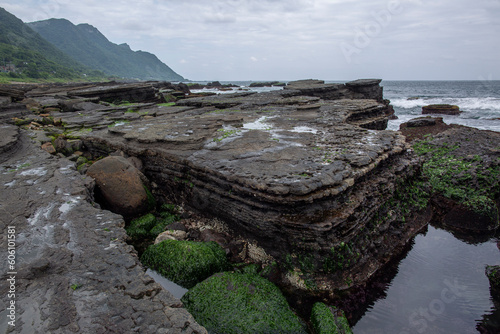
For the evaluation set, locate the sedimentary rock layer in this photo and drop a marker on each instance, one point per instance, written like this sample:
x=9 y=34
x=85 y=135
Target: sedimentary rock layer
x=297 y=172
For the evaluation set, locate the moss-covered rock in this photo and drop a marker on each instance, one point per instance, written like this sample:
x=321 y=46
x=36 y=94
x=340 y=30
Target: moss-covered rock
x=140 y=228
x=329 y=320
x=233 y=303
x=185 y=262
x=493 y=273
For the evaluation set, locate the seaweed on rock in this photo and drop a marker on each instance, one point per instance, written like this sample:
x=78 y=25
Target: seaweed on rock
x=185 y=262
x=326 y=320
x=234 y=303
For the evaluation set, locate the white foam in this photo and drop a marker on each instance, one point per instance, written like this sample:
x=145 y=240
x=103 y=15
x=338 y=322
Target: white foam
x=464 y=103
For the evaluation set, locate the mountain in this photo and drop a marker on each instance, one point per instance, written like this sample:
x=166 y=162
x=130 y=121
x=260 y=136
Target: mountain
x=32 y=56
x=89 y=46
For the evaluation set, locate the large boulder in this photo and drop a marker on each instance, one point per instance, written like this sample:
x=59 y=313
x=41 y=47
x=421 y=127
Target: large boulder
x=120 y=187
x=185 y=262
x=241 y=303
x=444 y=109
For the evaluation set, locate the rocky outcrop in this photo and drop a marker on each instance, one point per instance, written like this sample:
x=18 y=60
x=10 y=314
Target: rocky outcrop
x=464 y=177
x=74 y=270
x=296 y=173
x=358 y=89
x=444 y=109
x=120 y=186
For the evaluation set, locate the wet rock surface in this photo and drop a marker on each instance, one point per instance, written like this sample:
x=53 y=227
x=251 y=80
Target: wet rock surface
x=74 y=271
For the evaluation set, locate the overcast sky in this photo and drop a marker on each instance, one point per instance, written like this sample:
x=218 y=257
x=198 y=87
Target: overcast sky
x=297 y=39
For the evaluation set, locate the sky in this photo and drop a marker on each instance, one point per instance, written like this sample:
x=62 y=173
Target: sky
x=231 y=40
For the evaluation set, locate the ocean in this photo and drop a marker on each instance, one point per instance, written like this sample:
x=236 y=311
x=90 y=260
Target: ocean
x=479 y=100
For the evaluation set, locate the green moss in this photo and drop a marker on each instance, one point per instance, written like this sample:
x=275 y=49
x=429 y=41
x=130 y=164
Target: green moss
x=324 y=320
x=463 y=179
x=234 y=303
x=341 y=257
x=168 y=104
x=185 y=262
x=151 y=199
x=483 y=205
x=140 y=228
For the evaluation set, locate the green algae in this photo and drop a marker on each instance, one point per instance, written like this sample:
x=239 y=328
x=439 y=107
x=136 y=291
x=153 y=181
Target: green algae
x=234 y=303
x=185 y=262
x=326 y=320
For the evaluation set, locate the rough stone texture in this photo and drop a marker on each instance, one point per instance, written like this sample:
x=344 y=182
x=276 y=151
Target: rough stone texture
x=297 y=173
x=120 y=185
x=75 y=273
x=445 y=109
x=421 y=121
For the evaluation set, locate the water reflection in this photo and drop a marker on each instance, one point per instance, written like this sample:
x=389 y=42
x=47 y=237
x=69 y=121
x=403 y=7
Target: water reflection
x=175 y=289
x=440 y=287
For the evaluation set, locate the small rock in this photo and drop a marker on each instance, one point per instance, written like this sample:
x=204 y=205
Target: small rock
x=63 y=146
x=171 y=235
x=177 y=226
x=211 y=235
x=49 y=148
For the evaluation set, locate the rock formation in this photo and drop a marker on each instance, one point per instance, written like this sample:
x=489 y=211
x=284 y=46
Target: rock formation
x=297 y=172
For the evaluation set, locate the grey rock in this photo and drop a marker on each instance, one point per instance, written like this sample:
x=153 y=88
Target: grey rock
x=75 y=271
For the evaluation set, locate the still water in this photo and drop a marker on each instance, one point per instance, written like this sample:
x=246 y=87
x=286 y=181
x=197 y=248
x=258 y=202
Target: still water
x=439 y=287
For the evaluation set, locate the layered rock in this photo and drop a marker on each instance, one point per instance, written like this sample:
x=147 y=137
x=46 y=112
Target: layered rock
x=294 y=172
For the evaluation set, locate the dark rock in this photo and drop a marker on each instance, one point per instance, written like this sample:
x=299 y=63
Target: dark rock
x=493 y=274
x=120 y=186
x=208 y=235
x=479 y=214
x=177 y=227
x=421 y=121
x=445 y=109
x=264 y=84
x=63 y=146
x=137 y=92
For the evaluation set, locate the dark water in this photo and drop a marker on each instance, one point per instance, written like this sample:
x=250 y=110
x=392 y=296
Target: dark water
x=440 y=287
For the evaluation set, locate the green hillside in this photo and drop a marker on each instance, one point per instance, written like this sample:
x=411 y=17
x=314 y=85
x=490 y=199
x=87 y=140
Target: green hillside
x=34 y=57
x=87 y=45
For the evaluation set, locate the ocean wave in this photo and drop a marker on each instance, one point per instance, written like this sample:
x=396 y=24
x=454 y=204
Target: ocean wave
x=465 y=103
